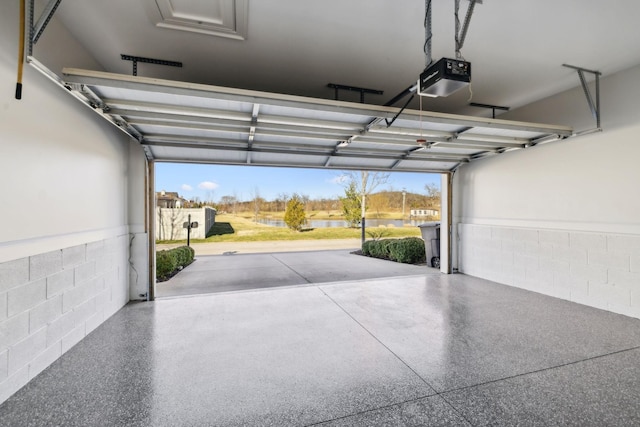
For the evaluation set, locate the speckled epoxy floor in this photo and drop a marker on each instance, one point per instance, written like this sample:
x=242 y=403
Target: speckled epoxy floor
x=420 y=350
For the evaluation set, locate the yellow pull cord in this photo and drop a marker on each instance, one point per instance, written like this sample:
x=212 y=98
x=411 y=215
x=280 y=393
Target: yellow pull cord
x=21 y=49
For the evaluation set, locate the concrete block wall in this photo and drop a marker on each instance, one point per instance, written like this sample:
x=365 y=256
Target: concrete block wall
x=209 y=219
x=50 y=301
x=597 y=269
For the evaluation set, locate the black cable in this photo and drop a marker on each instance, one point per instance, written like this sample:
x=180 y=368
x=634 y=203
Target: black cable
x=389 y=123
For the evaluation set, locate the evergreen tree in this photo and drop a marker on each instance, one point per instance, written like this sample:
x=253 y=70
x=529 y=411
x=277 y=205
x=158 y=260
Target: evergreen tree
x=294 y=215
x=351 y=204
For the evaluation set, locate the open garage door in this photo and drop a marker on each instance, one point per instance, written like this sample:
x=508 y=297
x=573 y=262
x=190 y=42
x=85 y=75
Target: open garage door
x=186 y=122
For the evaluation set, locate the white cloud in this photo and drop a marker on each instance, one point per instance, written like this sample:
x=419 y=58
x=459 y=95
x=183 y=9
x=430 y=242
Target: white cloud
x=208 y=185
x=186 y=187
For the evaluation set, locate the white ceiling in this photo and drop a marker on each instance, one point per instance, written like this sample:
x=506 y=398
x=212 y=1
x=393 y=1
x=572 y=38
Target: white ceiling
x=516 y=47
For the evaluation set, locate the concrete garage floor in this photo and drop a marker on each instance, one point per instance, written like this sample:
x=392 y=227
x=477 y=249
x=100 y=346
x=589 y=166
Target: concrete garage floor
x=419 y=351
x=235 y=272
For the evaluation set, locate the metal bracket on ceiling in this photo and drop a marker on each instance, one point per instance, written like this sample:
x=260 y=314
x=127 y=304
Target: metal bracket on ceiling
x=25 y=50
x=36 y=30
x=492 y=107
x=594 y=107
x=361 y=90
x=461 y=33
x=136 y=59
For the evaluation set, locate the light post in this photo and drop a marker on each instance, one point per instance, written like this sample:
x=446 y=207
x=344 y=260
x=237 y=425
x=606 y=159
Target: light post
x=404 y=194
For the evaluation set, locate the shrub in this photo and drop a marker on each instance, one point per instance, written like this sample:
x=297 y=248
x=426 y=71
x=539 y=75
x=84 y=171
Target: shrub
x=384 y=247
x=391 y=249
x=377 y=248
x=370 y=247
x=366 y=247
x=181 y=258
x=169 y=261
x=166 y=263
x=409 y=250
x=184 y=255
x=192 y=254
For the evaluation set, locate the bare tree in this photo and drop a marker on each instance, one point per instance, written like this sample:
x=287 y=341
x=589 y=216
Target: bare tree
x=227 y=203
x=257 y=201
x=433 y=195
x=210 y=194
x=235 y=201
x=432 y=190
x=305 y=200
x=282 y=200
x=366 y=182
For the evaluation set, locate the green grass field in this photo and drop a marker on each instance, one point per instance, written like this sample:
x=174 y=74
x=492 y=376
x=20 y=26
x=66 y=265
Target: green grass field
x=231 y=228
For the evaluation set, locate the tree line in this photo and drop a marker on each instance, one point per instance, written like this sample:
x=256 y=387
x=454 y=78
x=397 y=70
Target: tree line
x=359 y=198
x=389 y=200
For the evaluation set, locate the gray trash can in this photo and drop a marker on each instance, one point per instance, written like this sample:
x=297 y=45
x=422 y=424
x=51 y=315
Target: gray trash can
x=431 y=235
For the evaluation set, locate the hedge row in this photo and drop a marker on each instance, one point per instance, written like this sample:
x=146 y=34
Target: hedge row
x=173 y=260
x=409 y=250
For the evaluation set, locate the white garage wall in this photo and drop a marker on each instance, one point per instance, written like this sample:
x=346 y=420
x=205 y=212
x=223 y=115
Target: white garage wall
x=561 y=218
x=71 y=187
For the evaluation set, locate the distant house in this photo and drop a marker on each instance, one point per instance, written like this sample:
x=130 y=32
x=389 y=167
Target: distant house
x=424 y=212
x=168 y=199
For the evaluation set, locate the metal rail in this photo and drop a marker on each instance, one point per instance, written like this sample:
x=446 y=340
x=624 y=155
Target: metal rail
x=594 y=107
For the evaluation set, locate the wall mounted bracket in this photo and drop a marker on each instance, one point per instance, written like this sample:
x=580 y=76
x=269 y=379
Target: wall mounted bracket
x=361 y=90
x=461 y=32
x=136 y=59
x=36 y=30
x=493 y=108
x=25 y=50
x=594 y=107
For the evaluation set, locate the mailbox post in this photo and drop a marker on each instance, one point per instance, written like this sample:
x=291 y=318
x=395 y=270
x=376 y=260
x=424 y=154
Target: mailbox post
x=189 y=225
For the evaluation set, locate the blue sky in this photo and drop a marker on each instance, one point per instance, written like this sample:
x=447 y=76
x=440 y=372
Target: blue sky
x=211 y=182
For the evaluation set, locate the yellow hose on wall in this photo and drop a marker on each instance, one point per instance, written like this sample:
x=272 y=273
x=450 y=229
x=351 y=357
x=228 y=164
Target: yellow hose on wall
x=21 y=49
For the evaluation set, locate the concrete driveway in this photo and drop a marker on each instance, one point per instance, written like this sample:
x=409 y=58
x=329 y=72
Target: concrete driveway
x=238 y=272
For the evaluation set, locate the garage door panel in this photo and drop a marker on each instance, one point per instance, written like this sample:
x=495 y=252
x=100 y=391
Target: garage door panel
x=209 y=123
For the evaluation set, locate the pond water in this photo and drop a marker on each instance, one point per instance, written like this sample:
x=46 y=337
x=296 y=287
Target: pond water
x=328 y=223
